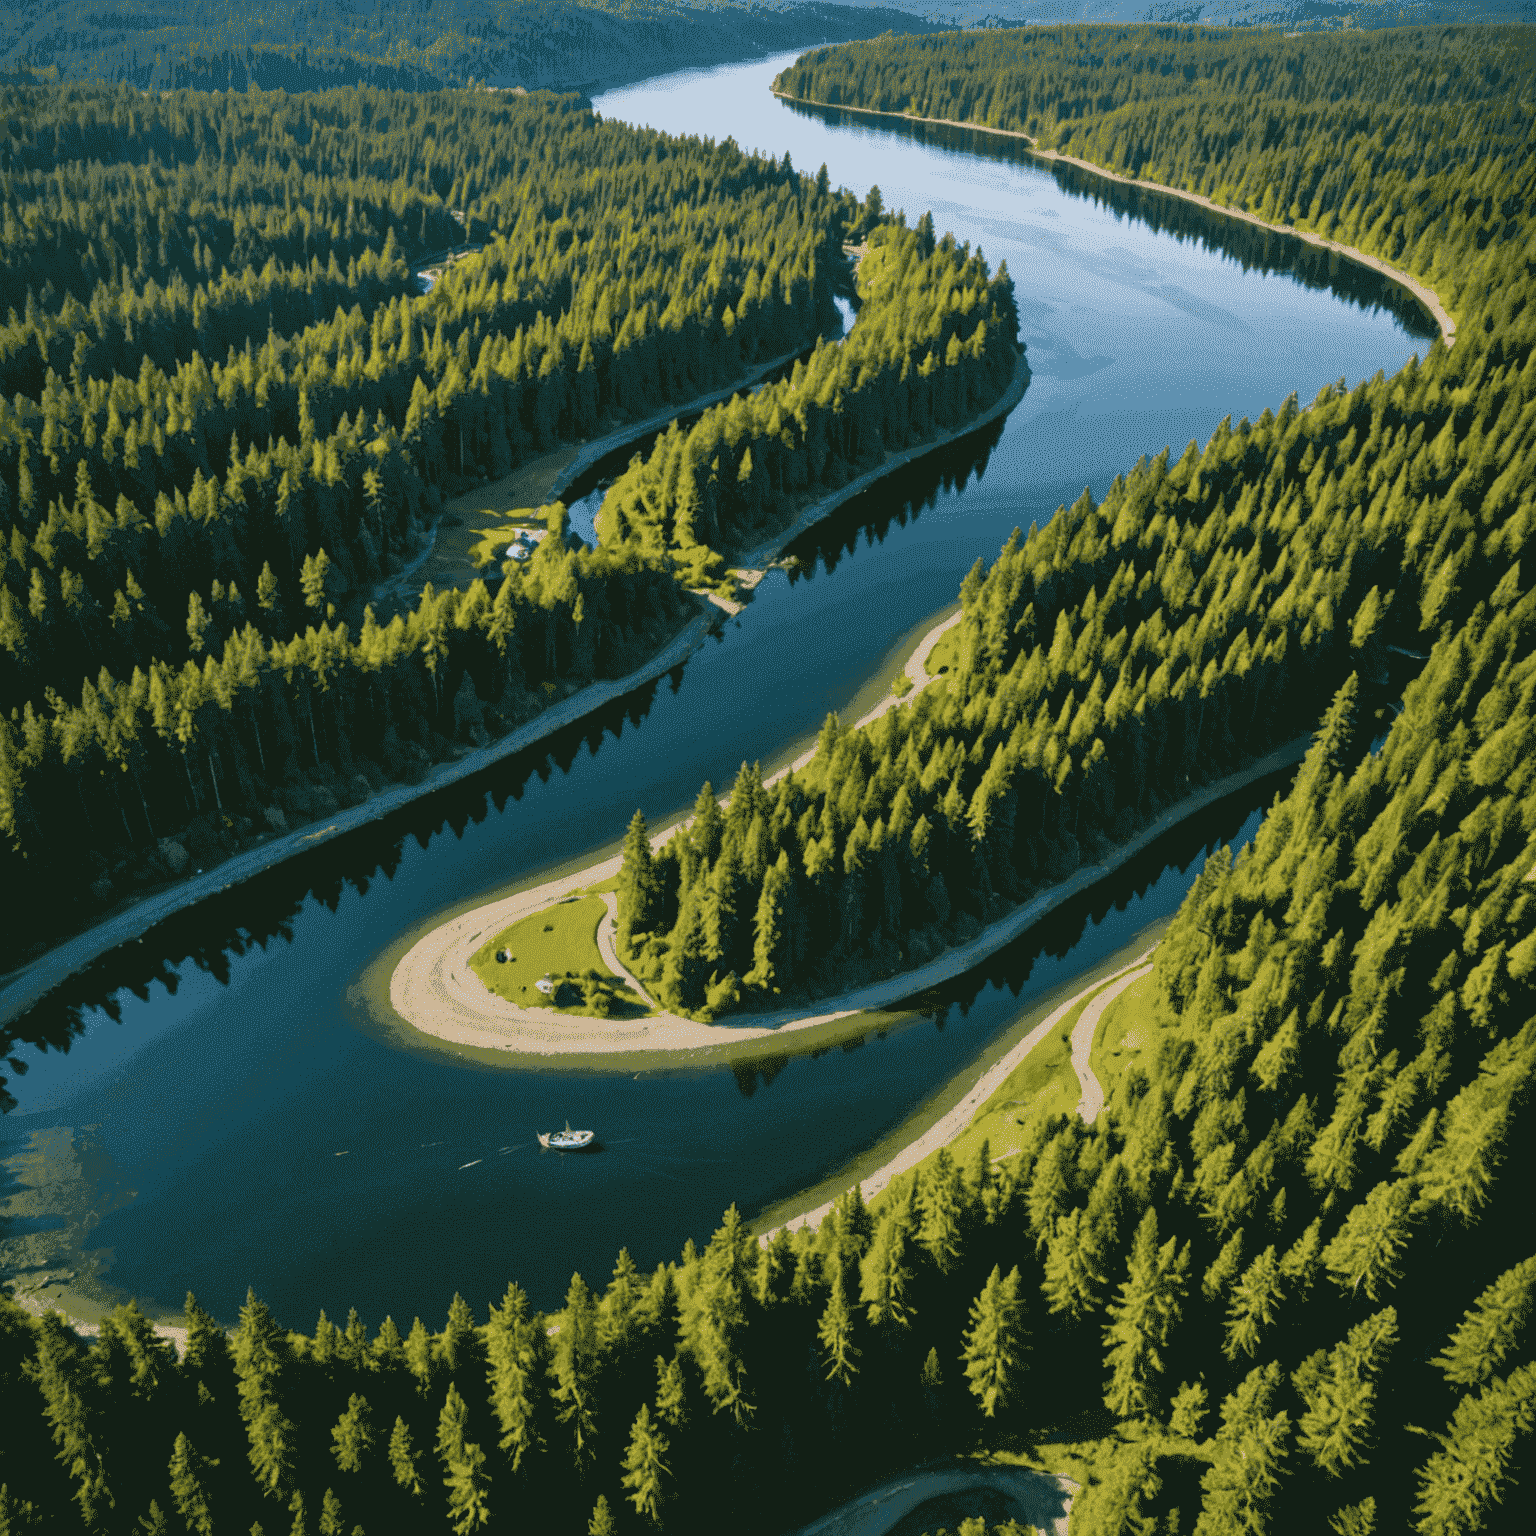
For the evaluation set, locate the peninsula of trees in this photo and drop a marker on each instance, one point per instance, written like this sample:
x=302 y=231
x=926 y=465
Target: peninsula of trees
x=227 y=417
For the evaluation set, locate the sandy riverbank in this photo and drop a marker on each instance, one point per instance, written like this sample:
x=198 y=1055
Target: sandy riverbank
x=1103 y=989
x=1420 y=290
x=433 y=989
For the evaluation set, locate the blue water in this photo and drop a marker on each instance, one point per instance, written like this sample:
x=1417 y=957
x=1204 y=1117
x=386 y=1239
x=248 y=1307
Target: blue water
x=210 y=1117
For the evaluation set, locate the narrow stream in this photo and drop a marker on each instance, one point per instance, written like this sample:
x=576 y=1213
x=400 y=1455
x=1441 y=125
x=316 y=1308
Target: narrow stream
x=228 y=1115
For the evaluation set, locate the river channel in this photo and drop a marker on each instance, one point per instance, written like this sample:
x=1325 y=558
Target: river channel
x=230 y=1115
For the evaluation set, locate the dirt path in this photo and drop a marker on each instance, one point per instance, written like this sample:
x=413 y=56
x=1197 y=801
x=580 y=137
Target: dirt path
x=607 y=947
x=945 y=1130
x=1421 y=291
x=1092 y=1101
x=1038 y=1499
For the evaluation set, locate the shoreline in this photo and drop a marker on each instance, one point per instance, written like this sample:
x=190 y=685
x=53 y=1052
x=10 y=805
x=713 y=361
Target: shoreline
x=958 y=1119
x=822 y=508
x=30 y=983
x=1420 y=290
x=593 y=453
x=432 y=989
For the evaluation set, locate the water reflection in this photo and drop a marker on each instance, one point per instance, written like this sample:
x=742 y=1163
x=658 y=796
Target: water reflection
x=231 y=1087
x=264 y=909
x=894 y=503
x=1254 y=248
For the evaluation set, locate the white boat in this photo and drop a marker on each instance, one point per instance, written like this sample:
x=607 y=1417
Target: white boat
x=567 y=1140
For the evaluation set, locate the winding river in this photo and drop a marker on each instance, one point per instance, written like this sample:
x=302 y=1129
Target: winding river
x=231 y=1112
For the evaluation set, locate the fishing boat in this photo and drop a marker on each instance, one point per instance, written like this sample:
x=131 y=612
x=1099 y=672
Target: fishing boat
x=567 y=1140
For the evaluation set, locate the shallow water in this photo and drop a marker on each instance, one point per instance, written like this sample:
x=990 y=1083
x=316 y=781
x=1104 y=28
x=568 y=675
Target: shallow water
x=240 y=1123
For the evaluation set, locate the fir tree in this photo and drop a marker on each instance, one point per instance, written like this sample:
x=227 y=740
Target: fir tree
x=464 y=1474
x=645 y=1468
x=1490 y=1329
x=995 y=1343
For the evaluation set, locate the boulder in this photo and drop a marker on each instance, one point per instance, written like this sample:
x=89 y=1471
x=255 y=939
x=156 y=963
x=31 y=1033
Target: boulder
x=102 y=889
x=173 y=855
x=274 y=818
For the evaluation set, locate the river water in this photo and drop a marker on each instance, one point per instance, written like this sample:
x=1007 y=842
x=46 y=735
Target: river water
x=227 y=1114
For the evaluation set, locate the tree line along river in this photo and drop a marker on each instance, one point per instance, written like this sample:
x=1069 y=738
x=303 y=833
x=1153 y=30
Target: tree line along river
x=232 y=1114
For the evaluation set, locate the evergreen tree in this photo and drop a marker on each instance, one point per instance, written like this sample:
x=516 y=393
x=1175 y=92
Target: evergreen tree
x=1490 y=1329
x=404 y=1459
x=1148 y=1307
x=464 y=1474
x=352 y=1436
x=187 y=1489
x=516 y=1348
x=645 y=1469
x=995 y=1343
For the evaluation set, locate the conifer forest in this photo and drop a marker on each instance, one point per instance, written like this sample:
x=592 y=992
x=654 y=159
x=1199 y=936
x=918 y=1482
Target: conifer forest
x=1283 y=1282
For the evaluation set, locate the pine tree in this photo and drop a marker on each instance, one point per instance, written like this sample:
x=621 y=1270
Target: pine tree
x=1072 y=1277
x=261 y=1354
x=638 y=885
x=1490 y=1328
x=1466 y=1476
x=1250 y=1446
x=331 y=1522
x=835 y=1331
x=995 y=1343
x=942 y=1205
x=352 y=1435
x=885 y=1274
x=602 y=1522
x=575 y=1368
x=771 y=966
x=1340 y=1394
x=464 y=1474
x=404 y=1459
x=1148 y=1307
x=1254 y=1300
x=516 y=1349
x=187 y=1490
x=645 y=1466
x=671 y=1393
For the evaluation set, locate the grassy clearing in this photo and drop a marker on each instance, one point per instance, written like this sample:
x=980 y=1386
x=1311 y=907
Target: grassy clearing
x=945 y=654
x=1127 y=1028
x=560 y=942
x=491 y=543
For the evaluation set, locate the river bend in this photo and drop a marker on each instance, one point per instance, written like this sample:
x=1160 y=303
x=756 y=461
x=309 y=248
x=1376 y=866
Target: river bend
x=229 y=1115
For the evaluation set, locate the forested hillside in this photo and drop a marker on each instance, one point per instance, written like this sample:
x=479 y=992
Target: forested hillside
x=1290 y=1266
x=228 y=416
x=935 y=344
x=1190 y=623
x=308 y=45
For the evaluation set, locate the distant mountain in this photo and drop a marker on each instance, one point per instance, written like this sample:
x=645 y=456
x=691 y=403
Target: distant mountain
x=1291 y=15
x=412 y=44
